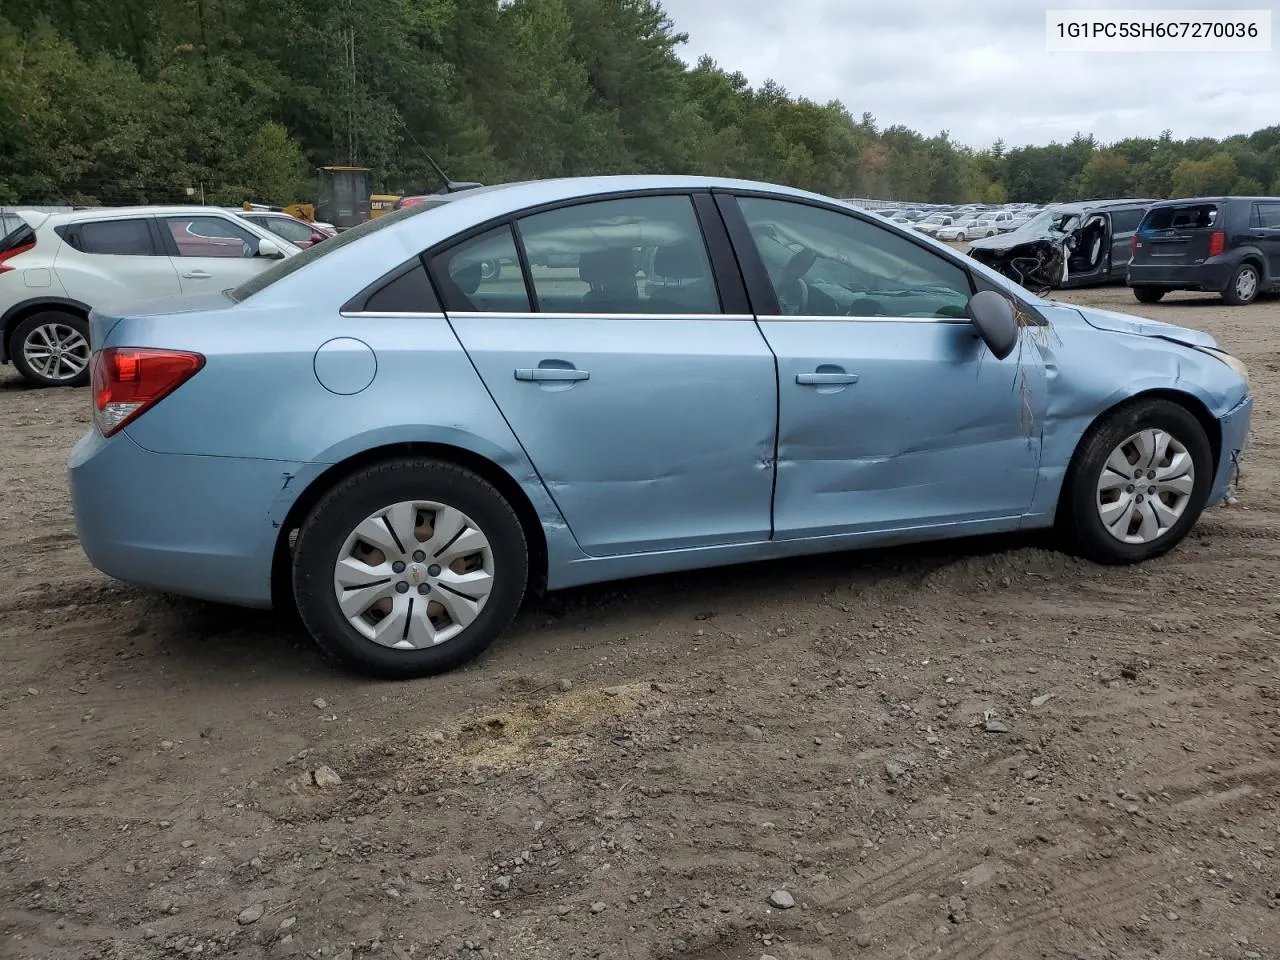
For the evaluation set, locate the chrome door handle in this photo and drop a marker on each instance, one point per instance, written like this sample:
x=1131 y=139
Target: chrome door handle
x=197 y=275
x=825 y=379
x=559 y=374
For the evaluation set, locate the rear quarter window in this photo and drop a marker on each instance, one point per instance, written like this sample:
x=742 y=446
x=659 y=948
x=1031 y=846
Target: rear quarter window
x=288 y=265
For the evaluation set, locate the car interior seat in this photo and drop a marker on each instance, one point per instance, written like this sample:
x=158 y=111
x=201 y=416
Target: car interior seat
x=611 y=275
x=681 y=282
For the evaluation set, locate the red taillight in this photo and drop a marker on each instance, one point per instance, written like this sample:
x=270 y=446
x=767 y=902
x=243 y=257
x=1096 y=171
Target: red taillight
x=1217 y=243
x=4 y=267
x=127 y=381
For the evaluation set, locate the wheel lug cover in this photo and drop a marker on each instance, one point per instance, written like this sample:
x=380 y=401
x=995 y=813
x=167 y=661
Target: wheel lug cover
x=1140 y=498
x=398 y=566
x=424 y=588
x=1130 y=488
x=418 y=556
x=402 y=587
x=433 y=570
x=1151 y=474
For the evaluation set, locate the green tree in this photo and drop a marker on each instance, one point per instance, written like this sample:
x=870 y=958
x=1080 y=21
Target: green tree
x=1211 y=176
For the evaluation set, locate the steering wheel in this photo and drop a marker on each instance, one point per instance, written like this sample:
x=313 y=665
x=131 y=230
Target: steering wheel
x=793 y=292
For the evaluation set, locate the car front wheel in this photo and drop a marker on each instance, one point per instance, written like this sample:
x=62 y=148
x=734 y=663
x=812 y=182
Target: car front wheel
x=51 y=349
x=409 y=568
x=1138 y=483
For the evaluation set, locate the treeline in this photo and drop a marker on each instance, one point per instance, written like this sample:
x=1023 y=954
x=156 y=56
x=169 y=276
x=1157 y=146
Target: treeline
x=128 y=101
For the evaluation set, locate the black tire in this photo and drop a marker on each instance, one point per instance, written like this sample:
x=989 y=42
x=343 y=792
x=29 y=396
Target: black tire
x=57 y=320
x=1079 y=513
x=1148 y=294
x=362 y=494
x=1231 y=296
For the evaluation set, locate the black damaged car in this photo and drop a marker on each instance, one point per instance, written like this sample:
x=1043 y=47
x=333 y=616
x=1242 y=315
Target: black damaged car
x=1225 y=245
x=1068 y=245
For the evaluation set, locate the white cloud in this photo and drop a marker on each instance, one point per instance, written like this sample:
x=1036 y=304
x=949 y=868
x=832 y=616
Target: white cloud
x=980 y=69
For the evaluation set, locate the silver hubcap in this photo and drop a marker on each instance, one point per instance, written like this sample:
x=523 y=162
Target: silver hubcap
x=56 y=351
x=1246 y=284
x=1145 y=486
x=414 y=575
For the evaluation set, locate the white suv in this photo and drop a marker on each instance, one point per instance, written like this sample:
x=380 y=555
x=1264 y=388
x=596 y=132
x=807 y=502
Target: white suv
x=55 y=267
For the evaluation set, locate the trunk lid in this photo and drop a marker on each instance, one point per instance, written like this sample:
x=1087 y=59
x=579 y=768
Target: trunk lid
x=1176 y=234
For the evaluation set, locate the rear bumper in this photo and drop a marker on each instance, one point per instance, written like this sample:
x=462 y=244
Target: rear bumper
x=201 y=527
x=1210 y=276
x=1234 y=428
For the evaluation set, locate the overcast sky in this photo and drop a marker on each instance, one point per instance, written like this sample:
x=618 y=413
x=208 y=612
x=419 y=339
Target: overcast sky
x=980 y=70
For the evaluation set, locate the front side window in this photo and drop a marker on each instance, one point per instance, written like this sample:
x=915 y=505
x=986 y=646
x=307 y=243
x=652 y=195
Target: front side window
x=637 y=255
x=823 y=263
x=205 y=236
x=120 y=238
x=482 y=275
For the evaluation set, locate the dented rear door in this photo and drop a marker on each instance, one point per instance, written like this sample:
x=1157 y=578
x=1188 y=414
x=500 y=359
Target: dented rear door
x=892 y=413
x=648 y=410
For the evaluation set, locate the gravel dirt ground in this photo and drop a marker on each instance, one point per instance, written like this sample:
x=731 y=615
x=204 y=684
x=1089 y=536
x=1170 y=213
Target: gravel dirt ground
x=977 y=750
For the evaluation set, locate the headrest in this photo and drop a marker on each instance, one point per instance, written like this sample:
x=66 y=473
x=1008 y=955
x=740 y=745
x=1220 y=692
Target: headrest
x=681 y=261
x=603 y=266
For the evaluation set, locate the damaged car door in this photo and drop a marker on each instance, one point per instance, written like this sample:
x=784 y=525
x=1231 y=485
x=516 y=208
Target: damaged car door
x=893 y=414
x=647 y=409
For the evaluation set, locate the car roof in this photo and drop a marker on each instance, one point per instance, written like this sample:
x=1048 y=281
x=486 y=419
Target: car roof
x=102 y=213
x=1183 y=201
x=1079 y=206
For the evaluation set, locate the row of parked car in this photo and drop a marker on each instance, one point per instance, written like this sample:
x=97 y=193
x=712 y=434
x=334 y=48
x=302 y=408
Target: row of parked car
x=1224 y=245
x=962 y=223
x=55 y=267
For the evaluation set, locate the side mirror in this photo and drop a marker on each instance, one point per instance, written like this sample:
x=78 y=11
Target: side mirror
x=993 y=317
x=269 y=249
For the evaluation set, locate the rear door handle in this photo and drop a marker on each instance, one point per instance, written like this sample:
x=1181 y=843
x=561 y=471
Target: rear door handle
x=197 y=275
x=825 y=379
x=558 y=374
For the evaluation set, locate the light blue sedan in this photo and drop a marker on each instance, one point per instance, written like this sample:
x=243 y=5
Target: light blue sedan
x=405 y=428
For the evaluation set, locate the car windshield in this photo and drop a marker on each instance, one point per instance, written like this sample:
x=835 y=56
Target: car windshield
x=937 y=218
x=1049 y=221
x=288 y=265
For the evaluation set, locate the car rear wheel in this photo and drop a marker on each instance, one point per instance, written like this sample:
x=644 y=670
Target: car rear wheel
x=409 y=568
x=1243 y=288
x=1138 y=483
x=1148 y=294
x=51 y=349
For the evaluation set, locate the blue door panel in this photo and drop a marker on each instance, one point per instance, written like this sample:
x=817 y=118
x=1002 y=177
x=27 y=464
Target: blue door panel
x=651 y=433
x=906 y=423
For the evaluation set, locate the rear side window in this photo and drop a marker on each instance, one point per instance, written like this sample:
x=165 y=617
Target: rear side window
x=117 y=238
x=1125 y=221
x=638 y=255
x=294 y=231
x=1267 y=215
x=1192 y=216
